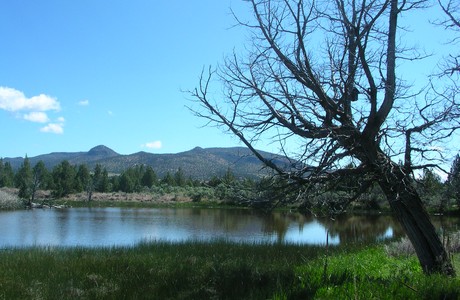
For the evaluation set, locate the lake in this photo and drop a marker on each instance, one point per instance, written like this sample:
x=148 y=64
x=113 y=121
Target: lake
x=93 y=227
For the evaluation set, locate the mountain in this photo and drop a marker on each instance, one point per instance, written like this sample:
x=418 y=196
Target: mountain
x=197 y=163
x=101 y=151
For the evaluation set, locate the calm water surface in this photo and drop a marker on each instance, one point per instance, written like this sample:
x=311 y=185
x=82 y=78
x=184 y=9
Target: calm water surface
x=91 y=227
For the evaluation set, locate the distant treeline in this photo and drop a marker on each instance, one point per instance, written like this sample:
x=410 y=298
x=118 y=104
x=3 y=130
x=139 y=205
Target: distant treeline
x=65 y=179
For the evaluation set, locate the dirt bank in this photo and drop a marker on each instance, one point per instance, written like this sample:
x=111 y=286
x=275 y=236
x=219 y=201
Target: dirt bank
x=110 y=197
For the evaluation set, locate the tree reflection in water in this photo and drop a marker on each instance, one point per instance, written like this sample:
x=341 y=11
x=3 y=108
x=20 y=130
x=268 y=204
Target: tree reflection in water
x=123 y=226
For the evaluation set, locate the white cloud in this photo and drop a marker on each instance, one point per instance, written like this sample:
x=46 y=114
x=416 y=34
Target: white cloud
x=14 y=100
x=152 y=145
x=57 y=128
x=83 y=103
x=35 y=108
x=36 y=116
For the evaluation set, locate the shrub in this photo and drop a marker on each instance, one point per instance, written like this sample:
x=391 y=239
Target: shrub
x=400 y=248
x=9 y=201
x=404 y=246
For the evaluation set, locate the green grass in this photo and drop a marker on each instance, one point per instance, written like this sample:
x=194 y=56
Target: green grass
x=218 y=270
x=370 y=273
x=150 y=271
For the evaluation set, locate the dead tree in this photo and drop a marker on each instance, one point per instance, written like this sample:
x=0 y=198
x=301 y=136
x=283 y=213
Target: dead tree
x=451 y=22
x=320 y=77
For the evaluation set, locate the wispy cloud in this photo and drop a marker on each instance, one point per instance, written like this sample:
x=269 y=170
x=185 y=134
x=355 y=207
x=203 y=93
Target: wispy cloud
x=83 y=103
x=36 y=116
x=152 y=145
x=14 y=100
x=57 y=128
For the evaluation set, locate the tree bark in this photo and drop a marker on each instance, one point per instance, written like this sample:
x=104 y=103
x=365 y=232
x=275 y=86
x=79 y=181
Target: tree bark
x=409 y=211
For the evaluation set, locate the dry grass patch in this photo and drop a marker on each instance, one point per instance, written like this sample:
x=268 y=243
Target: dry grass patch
x=9 y=200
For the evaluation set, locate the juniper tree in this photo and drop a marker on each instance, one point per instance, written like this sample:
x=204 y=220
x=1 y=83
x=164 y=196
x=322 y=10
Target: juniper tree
x=39 y=178
x=24 y=180
x=323 y=75
x=453 y=181
x=63 y=179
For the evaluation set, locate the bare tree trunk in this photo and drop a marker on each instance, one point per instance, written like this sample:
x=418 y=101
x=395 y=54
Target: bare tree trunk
x=409 y=211
x=284 y=87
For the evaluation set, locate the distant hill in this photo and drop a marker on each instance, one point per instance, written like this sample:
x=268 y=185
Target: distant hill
x=197 y=163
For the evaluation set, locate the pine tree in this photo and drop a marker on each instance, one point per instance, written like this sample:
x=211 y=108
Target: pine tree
x=228 y=177
x=126 y=183
x=149 y=178
x=64 y=179
x=101 y=179
x=453 y=181
x=179 y=178
x=82 y=179
x=6 y=175
x=97 y=177
x=39 y=178
x=168 y=179
x=431 y=189
x=24 y=180
x=2 y=172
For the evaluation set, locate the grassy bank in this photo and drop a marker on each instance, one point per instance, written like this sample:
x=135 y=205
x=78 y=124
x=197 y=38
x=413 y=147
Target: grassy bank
x=218 y=270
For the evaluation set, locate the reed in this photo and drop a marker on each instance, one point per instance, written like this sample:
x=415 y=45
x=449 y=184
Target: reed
x=214 y=270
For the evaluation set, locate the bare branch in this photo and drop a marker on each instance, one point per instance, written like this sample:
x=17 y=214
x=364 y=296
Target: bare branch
x=320 y=79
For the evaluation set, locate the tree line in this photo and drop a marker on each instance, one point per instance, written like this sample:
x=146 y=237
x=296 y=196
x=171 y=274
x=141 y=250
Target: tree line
x=65 y=179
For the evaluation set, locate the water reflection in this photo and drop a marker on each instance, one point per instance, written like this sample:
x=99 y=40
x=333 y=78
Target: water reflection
x=362 y=228
x=120 y=226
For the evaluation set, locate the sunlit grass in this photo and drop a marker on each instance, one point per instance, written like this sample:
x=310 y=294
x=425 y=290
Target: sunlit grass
x=370 y=273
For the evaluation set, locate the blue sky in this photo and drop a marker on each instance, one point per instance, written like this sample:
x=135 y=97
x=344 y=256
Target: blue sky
x=76 y=74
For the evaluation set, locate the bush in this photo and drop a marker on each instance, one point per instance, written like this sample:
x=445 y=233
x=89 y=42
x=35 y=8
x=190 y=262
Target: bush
x=9 y=201
x=404 y=247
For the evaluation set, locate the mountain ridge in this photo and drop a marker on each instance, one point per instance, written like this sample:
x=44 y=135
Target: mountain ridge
x=197 y=163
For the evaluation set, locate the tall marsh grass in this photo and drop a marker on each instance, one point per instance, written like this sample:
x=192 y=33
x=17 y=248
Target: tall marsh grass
x=217 y=270
x=191 y=270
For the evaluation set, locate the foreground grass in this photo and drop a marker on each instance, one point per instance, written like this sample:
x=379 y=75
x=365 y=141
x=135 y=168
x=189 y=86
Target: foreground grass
x=370 y=273
x=154 y=271
x=218 y=270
